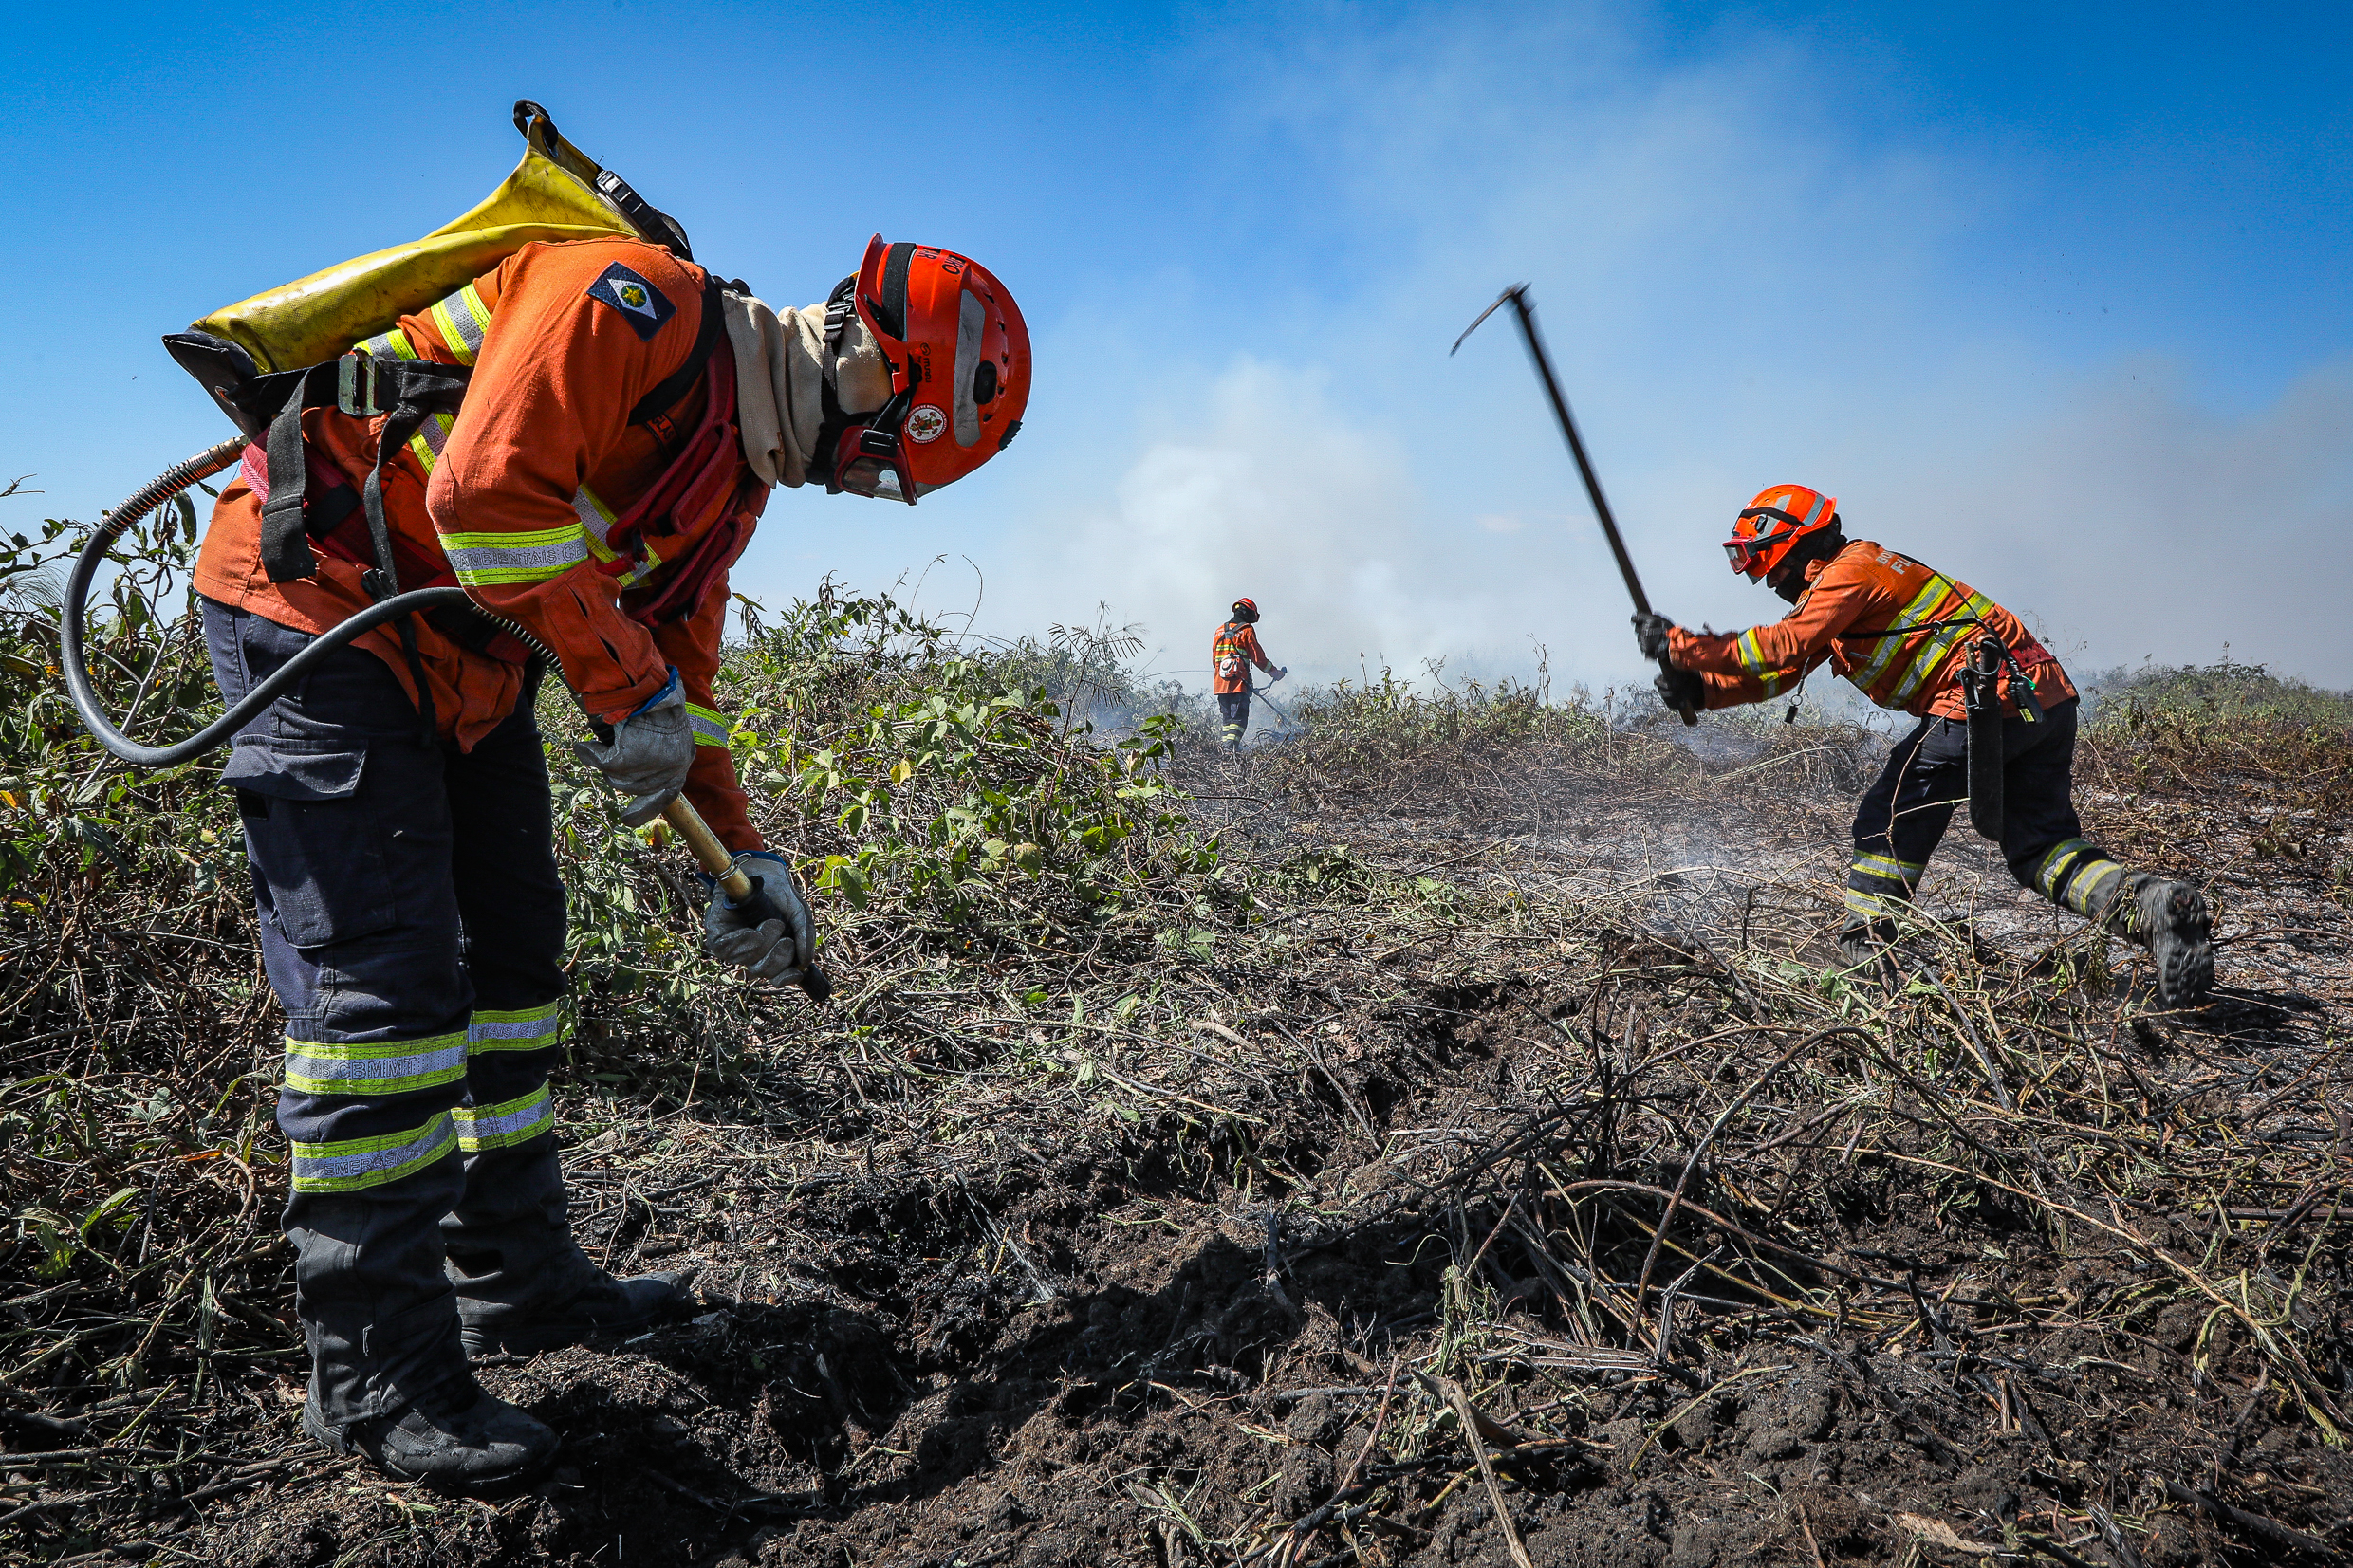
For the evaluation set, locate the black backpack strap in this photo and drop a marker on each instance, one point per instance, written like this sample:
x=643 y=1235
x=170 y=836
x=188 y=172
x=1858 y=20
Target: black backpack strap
x=406 y=389
x=286 y=545
x=680 y=382
x=415 y=388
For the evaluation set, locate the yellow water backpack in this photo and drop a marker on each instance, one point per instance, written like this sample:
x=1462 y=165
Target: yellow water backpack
x=556 y=193
x=267 y=359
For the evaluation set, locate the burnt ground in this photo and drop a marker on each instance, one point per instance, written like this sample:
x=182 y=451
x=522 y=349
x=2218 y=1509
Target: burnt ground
x=1528 y=1189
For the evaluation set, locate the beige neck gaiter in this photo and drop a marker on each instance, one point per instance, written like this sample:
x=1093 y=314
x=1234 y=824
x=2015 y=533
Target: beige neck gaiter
x=782 y=364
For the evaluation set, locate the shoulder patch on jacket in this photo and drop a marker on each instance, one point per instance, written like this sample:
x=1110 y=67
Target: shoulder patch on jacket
x=641 y=304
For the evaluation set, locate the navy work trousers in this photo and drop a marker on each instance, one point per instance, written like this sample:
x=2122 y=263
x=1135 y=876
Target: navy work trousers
x=1903 y=815
x=1233 y=709
x=412 y=925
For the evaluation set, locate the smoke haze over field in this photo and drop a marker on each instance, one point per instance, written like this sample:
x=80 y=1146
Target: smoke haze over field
x=2052 y=299
x=1737 y=291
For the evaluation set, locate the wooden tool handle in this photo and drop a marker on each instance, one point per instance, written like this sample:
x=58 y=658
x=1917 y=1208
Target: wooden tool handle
x=713 y=856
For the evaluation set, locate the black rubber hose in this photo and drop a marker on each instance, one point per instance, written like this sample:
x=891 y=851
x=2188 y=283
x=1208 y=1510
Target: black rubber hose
x=149 y=496
x=146 y=499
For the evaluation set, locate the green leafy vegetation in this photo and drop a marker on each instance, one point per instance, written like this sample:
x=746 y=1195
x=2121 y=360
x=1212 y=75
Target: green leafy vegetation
x=1413 y=1065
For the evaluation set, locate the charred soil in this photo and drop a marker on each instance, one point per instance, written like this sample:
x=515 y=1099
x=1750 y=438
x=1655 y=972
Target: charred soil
x=1486 y=1168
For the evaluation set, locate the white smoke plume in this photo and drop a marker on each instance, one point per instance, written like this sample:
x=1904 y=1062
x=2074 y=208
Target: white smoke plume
x=1737 y=291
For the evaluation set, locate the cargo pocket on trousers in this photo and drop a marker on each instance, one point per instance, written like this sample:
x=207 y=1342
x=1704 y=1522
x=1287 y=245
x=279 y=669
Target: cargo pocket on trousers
x=318 y=853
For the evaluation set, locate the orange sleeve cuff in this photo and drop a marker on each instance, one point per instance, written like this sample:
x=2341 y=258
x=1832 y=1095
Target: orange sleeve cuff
x=693 y=645
x=712 y=787
x=1700 y=655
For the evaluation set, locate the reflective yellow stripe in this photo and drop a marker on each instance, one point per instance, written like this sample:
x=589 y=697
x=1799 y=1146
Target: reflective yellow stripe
x=526 y=555
x=462 y=318
x=431 y=437
x=504 y=1125
x=1871 y=906
x=2054 y=864
x=710 y=725
x=388 y=345
x=2073 y=873
x=356 y=1163
x=513 y=1029
x=596 y=521
x=1932 y=649
x=382 y=1068
x=644 y=569
x=1752 y=658
x=2089 y=886
x=1892 y=641
x=1887 y=866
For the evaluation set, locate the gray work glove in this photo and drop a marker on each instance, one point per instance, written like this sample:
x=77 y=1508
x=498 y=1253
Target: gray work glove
x=770 y=934
x=649 y=755
x=1651 y=631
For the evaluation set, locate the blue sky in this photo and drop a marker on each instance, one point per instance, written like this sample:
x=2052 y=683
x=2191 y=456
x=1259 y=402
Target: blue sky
x=2056 y=302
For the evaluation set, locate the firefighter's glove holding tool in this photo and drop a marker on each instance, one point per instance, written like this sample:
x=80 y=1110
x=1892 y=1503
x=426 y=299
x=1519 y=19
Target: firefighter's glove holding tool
x=648 y=755
x=1679 y=689
x=1649 y=630
x=769 y=936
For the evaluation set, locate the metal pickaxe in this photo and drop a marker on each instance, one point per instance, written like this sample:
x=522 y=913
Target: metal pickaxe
x=1517 y=296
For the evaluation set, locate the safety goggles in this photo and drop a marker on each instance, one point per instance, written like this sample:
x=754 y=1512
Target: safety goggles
x=1746 y=552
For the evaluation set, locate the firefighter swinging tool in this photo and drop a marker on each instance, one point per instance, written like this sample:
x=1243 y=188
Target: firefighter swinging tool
x=1517 y=296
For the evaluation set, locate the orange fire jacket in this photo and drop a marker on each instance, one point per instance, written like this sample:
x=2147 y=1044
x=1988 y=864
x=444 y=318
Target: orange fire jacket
x=1239 y=639
x=516 y=493
x=1890 y=625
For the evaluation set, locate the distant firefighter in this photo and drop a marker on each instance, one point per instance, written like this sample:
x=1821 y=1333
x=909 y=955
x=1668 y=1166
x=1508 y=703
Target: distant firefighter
x=1905 y=635
x=1230 y=655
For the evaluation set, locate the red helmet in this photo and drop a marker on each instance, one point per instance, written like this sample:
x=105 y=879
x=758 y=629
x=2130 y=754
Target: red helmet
x=1778 y=518
x=960 y=357
x=1246 y=609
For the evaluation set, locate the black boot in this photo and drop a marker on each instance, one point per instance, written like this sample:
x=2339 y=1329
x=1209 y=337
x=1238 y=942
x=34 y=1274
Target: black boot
x=388 y=1373
x=2169 y=919
x=456 y=1439
x=523 y=1284
x=1868 y=943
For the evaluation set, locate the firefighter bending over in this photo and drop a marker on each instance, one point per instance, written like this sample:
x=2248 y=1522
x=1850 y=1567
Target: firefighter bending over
x=1900 y=631
x=625 y=421
x=1230 y=655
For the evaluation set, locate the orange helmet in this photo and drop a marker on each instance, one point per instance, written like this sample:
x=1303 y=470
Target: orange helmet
x=1778 y=518
x=960 y=357
x=1246 y=609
